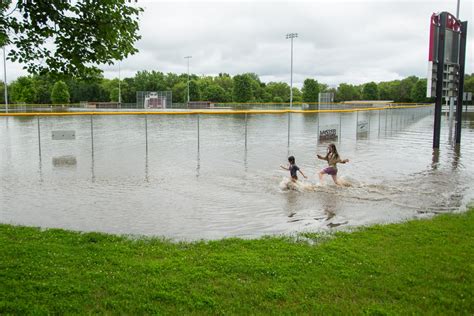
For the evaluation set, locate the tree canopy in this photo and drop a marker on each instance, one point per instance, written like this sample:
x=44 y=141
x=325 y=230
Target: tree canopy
x=60 y=93
x=310 y=90
x=220 y=88
x=68 y=37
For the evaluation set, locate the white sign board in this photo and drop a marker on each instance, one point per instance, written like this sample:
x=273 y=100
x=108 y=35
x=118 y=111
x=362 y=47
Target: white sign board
x=328 y=132
x=362 y=127
x=64 y=135
x=467 y=96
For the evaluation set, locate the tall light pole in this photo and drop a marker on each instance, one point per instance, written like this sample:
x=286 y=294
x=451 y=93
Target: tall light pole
x=188 y=57
x=291 y=36
x=5 y=78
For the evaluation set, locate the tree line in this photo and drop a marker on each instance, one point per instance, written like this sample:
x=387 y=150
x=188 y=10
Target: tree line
x=241 y=88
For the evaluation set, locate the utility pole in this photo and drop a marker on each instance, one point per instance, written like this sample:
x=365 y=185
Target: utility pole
x=188 y=57
x=291 y=36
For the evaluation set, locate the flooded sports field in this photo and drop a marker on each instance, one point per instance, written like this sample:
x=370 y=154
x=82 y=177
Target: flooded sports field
x=214 y=176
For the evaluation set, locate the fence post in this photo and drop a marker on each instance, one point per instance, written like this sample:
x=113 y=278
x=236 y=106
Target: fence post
x=92 y=136
x=198 y=131
x=245 y=130
x=39 y=137
x=379 y=122
x=289 y=120
x=146 y=134
x=340 y=127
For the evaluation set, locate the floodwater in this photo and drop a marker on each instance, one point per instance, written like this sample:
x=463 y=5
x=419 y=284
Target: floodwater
x=151 y=176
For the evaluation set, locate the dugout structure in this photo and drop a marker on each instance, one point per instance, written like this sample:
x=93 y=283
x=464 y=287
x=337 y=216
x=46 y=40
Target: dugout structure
x=154 y=99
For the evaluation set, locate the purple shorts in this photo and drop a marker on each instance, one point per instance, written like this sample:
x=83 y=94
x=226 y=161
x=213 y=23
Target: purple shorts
x=330 y=170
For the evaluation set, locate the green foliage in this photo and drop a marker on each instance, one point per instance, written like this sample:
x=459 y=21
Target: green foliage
x=194 y=91
x=280 y=90
x=418 y=92
x=23 y=90
x=2 y=92
x=85 y=34
x=310 y=90
x=370 y=92
x=417 y=267
x=214 y=93
x=60 y=93
x=242 y=88
x=114 y=94
x=180 y=92
x=297 y=95
x=347 y=92
x=469 y=83
x=277 y=99
x=222 y=88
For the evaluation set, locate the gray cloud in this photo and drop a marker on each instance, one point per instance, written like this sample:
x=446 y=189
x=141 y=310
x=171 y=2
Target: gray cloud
x=339 y=41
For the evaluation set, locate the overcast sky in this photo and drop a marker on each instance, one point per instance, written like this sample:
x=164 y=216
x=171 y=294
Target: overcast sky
x=351 y=41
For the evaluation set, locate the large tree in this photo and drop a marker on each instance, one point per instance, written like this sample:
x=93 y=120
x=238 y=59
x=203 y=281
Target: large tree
x=279 y=90
x=370 y=92
x=23 y=90
x=347 y=92
x=418 y=91
x=310 y=90
x=242 y=89
x=68 y=37
x=60 y=93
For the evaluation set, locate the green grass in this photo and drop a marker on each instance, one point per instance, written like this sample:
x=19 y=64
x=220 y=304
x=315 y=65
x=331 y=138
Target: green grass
x=417 y=267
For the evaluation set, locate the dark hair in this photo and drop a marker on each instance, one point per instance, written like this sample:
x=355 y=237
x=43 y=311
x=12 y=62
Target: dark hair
x=291 y=159
x=333 y=150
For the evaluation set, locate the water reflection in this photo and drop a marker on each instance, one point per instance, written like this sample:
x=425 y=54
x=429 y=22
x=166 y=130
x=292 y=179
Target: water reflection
x=66 y=161
x=390 y=178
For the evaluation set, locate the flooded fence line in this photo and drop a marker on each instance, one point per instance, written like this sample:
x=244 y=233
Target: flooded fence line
x=330 y=125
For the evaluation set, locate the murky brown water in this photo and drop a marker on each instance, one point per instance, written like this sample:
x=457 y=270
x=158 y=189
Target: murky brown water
x=226 y=189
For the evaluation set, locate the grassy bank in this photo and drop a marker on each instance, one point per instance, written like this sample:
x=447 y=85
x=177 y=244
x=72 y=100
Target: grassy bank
x=424 y=266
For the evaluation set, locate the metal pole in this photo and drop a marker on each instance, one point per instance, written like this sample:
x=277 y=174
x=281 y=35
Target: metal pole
x=289 y=120
x=357 y=122
x=379 y=123
x=245 y=130
x=439 y=82
x=198 y=131
x=291 y=36
x=291 y=76
x=462 y=61
x=391 y=121
x=340 y=127
x=5 y=78
x=146 y=134
x=39 y=137
x=188 y=57
x=457 y=10
x=451 y=116
x=92 y=136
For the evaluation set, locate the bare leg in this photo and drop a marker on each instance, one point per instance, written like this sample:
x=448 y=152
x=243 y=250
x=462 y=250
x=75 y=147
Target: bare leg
x=334 y=178
x=321 y=177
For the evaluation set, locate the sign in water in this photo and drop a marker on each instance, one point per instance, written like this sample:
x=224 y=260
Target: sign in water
x=328 y=132
x=63 y=135
x=362 y=127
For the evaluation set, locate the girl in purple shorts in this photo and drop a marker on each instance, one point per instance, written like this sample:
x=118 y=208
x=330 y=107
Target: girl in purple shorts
x=332 y=157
